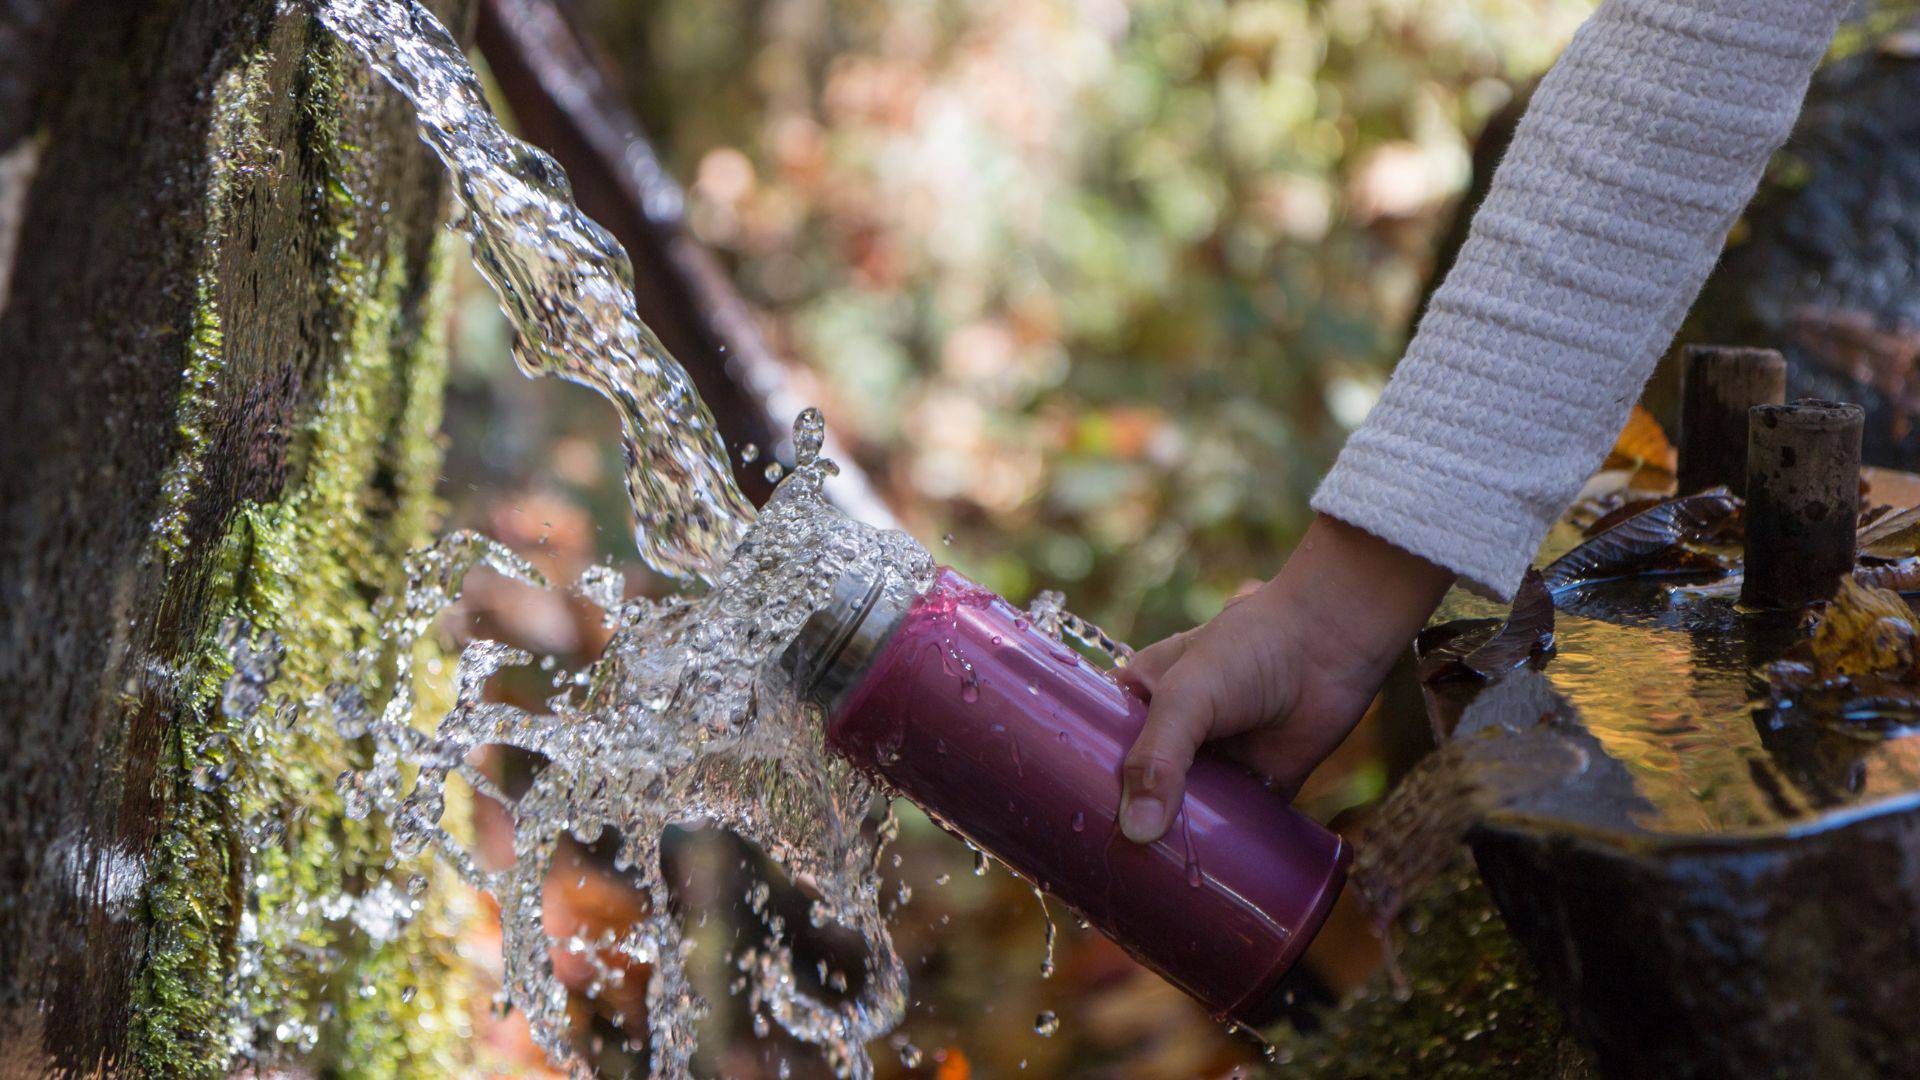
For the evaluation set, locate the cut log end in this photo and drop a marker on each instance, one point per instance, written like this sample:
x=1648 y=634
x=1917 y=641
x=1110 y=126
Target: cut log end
x=1720 y=385
x=1803 y=501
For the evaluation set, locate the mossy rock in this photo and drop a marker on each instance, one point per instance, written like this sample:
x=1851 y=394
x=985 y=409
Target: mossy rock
x=223 y=344
x=1468 y=1008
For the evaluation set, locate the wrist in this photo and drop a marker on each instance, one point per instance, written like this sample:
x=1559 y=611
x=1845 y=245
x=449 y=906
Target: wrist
x=1354 y=600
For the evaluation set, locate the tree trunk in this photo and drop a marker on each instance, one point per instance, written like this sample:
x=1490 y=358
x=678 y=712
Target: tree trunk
x=223 y=369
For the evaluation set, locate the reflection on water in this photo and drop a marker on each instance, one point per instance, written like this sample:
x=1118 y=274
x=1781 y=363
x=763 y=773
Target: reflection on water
x=1665 y=685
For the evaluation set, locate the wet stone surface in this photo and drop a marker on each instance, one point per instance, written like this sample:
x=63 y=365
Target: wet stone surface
x=1727 y=887
x=1664 y=685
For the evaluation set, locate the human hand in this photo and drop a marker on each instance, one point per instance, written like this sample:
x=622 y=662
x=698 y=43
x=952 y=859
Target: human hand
x=1281 y=674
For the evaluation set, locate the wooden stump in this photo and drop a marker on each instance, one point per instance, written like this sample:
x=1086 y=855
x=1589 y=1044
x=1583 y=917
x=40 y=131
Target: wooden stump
x=1803 y=501
x=1719 y=385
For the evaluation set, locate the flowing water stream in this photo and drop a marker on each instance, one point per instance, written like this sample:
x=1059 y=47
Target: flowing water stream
x=681 y=721
x=566 y=285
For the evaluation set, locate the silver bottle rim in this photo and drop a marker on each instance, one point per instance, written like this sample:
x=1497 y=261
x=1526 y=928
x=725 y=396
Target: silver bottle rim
x=838 y=643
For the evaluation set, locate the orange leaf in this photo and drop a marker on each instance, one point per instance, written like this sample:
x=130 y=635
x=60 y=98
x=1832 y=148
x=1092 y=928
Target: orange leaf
x=953 y=1066
x=1642 y=442
x=1865 y=631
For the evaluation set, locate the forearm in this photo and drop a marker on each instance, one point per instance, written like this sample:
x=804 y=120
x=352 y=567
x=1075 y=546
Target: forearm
x=1354 y=600
x=1639 y=151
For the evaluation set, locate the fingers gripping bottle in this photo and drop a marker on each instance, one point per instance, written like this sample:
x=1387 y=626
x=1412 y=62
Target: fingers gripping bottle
x=1009 y=738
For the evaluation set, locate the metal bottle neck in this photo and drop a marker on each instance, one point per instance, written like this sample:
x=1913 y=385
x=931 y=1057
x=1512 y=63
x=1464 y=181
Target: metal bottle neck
x=838 y=643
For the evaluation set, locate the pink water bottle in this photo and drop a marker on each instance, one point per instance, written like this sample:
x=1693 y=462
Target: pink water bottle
x=1012 y=740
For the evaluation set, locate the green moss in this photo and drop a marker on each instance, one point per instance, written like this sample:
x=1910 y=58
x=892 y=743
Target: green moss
x=251 y=880
x=1472 y=1010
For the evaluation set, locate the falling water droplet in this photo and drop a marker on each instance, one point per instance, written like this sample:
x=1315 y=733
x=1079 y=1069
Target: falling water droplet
x=773 y=472
x=749 y=454
x=1079 y=821
x=1046 y=1024
x=1053 y=933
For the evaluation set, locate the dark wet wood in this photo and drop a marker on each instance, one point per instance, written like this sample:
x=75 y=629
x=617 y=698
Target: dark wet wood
x=1719 y=384
x=97 y=635
x=27 y=61
x=1803 y=501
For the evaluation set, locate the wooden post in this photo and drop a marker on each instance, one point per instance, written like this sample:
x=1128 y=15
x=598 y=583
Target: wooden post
x=1719 y=384
x=1803 y=501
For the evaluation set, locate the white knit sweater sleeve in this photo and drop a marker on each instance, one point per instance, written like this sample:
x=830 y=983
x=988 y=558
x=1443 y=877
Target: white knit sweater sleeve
x=1638 y=152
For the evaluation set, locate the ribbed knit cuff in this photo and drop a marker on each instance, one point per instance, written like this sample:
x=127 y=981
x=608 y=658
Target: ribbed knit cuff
x=1440 y=517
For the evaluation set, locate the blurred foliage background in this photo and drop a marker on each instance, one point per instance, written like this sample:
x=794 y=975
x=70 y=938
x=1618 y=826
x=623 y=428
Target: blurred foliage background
x=1095 y=289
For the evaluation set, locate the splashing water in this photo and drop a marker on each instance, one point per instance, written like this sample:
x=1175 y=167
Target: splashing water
x=682 y=720
x=1050 y=616
x=566 y=285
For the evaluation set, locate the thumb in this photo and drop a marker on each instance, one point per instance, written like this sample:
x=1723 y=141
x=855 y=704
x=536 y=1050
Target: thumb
x=1154 y=778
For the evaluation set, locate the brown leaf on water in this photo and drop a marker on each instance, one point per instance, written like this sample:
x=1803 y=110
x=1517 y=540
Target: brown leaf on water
x=1862 y=652
x=1620 y=513
x=1891 y=536
x=1642 y=443
x=1653 y=541
x=1901 y=575
x=1525 y=636
x=1864 y=631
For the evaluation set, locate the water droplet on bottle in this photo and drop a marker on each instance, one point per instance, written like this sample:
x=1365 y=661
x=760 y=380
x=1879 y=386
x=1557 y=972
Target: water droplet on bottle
x=1046 y=1024
x=970 y=691
x=416 y=885
x=1193 y=875
x=980 y=864
x=1079 y=821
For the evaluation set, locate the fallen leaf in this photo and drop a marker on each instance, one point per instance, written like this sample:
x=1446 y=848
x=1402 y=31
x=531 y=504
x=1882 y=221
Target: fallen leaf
x=1652 y=541
x=1620 y=513
x=1525 y=636
x=1892 y=536
x=1901 y=576
x=953 y=1066
x=1864 y=631
x=1858 y=664
x=1642 y=442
